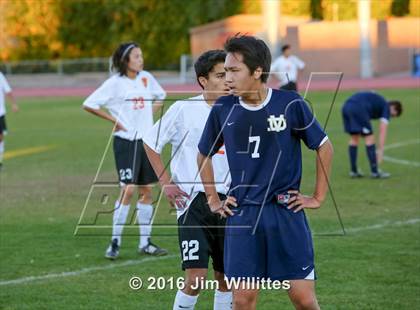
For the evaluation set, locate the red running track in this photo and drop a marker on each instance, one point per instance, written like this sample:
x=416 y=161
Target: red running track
x=317 y=83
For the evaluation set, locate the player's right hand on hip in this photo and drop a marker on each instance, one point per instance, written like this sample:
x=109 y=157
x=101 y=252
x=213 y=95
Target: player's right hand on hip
x=175 y=195
x=118 y=126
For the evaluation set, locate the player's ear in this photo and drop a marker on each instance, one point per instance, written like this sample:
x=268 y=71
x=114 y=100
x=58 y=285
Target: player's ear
x=203 y=81
x=257 y=73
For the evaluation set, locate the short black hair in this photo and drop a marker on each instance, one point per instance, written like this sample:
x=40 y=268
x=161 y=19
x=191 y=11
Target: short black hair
x=121 y=57
x=206 y=62
x=397 y=106
x=285 y=47
x=254 y=51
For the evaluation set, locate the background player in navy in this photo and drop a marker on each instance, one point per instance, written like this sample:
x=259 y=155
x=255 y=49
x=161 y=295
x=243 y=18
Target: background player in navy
x=358 y=111
x=267 y=235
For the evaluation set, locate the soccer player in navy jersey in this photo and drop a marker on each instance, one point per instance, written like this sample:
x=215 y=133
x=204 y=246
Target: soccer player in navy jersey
x=267 y=235
x=358 y=111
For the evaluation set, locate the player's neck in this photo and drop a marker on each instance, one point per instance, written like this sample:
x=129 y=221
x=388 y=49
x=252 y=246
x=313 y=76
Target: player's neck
x=208 y=99
x=255 y=98
x=131 y=74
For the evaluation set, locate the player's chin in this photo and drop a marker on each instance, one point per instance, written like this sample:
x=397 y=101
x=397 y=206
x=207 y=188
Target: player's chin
x=234 y=91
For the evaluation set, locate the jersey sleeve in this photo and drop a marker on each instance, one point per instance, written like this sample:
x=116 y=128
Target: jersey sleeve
x=101 y=96
x=164 y=130
x=306 y=127
x=4 y=84
x=211 y=139
x=157 y=91
x=299 y=63
x=385 y=115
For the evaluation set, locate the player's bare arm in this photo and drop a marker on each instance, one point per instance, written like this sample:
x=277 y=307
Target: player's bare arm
x=157 y=105
x=13 y=103
x=207 y=177
x=323 y=167
x=172 y=191
x=383 y=128
x=105 y=115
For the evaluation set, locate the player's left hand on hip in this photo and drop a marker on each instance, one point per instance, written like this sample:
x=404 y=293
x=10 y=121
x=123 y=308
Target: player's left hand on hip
x=298 y=201
x=222 y=207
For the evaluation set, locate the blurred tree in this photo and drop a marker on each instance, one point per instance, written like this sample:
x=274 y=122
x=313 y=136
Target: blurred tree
x=161 y=27
x=400 y=7
x=39 y=29
x=316 y=9
x=30 y=29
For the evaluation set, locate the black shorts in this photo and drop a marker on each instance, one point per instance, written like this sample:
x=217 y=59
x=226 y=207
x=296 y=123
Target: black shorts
x=133 y=166
x=3 y=127
x=201 y=235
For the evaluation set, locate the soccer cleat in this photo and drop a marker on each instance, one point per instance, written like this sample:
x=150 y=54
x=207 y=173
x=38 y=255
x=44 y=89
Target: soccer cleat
x=113 y=250
x=380 y=175
x=356 y=175
x=152 y=249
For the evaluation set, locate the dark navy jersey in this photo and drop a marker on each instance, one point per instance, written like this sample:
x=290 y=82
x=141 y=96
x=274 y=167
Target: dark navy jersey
x=369 y=102
x=262 y=143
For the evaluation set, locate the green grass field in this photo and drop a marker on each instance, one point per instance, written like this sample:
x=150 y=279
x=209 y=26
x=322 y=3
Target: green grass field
x=43 y=192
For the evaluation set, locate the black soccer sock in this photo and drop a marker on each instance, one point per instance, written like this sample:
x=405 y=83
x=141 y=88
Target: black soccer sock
x=371 y=153
x=353 y=157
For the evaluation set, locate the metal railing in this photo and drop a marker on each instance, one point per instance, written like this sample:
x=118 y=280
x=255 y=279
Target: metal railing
x=59 y=66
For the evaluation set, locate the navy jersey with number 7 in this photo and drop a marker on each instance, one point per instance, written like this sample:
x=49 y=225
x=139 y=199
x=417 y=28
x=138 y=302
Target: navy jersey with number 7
x=262 y=143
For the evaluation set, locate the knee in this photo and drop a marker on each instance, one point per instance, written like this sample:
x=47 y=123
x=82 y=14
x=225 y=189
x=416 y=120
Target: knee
x=220 y=277
x=128 y=192
x=145 y=195
x=307 y=302
x=369 y=140
x=244 y=301
x=354 y=140
x=193 y=284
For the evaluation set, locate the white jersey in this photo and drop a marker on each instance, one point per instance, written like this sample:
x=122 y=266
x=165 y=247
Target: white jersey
x=129 y=101
x=182 y=126
x=4 y=89
x=286 y=69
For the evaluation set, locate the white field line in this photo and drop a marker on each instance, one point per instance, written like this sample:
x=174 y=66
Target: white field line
x=376 y=226
x=138 y=262
x=401 y=161
x=49 y=276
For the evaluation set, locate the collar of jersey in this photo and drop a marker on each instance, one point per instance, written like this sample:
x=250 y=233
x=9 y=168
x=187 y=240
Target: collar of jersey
x=259 y=107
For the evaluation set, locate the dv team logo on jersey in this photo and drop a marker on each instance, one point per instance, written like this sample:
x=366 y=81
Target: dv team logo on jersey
x=276 y=123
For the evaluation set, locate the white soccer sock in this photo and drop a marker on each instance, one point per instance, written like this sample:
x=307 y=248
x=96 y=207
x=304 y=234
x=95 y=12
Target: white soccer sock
x=118 y=220
x=222 y=300
x=144 y=218
x=1 y=150
x=185 y=301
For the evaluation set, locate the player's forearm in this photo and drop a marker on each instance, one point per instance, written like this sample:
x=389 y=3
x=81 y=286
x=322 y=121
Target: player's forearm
x=12 y=99
x=205 y=166
x=323 y=168
x=383 y=127
x=101 y=114
x=157 y=164
x=157 y=105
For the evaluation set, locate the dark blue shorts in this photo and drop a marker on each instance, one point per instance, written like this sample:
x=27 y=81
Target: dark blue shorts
x=280 y=249
x=356 y=121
